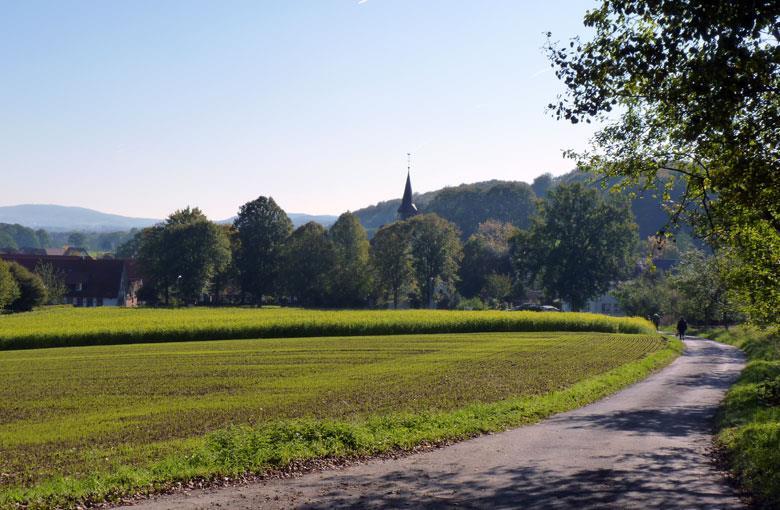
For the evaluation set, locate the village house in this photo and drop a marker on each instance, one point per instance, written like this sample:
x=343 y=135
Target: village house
x=90 y=282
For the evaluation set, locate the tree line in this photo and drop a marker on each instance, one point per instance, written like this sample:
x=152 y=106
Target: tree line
x=688 y=95
x=577 y=244
x=14 y=237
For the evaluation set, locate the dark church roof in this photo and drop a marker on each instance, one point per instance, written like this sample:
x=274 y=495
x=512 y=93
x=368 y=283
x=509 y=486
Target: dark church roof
x=407 y=208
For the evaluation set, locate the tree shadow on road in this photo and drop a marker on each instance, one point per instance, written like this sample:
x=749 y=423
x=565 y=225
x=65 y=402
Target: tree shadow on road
x=670 y=478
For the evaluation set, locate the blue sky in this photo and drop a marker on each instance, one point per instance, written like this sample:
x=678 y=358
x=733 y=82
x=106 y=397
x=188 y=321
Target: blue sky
x=142 y=107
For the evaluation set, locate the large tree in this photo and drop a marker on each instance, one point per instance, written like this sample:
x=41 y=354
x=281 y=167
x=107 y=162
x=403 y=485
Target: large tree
x=262 y=228
x=182 y=255
x=436 y=253
x=703 y=295
x=391 y=260
x=485 y=253
x=307 y=261
x=688 y=90
x=645 y=295
x=580 y=244
x=226 y=277
x=153 y=261
x=350 y=279
x=200 y=249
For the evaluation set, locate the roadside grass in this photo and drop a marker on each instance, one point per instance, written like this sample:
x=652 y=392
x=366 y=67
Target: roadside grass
x=67 y=326
x=89 y=424
x=749 y=424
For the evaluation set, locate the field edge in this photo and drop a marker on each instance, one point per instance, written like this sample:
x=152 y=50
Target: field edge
x=240 y=450
x=81 y=327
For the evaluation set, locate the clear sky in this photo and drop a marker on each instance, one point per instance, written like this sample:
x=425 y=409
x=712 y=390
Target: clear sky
x=143 y=107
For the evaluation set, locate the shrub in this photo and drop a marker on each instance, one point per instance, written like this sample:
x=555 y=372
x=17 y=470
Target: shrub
x=471 y=304
x=32 y=291
x=9 y=290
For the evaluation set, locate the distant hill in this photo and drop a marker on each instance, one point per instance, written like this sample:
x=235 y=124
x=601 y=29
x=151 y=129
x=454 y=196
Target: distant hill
x=326 y=220
x=59 y=218
x=382 y=213
x=649 y=214
x=298 y=219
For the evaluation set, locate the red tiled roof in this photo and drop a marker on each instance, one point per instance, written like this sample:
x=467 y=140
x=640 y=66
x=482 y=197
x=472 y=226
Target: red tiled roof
x=98 y=277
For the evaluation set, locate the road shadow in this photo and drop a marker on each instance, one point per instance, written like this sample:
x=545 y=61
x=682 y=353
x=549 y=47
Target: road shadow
x=669 y=478
x=674 y=422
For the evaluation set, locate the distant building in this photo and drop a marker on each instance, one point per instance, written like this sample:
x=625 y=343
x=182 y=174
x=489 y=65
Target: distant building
x=407 y=208
x=605 y=304
x=90 y=282
x=73 y=251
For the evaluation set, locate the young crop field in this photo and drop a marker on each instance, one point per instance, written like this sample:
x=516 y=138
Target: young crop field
x=66 y=326
x=92 y=423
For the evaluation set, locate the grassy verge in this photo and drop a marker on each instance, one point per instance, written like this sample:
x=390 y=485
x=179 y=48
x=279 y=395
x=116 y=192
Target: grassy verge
x=750 y=418
x=241 y=406
x=67 y=326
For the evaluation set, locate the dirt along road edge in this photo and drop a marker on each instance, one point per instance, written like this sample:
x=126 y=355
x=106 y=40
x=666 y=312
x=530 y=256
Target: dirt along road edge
x=646 y=446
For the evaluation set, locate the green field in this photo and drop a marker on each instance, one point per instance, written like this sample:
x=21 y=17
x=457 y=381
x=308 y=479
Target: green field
x=90 y=423
x=67 y=326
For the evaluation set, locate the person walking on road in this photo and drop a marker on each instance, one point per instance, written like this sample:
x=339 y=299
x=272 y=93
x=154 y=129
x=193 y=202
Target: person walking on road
x=682 y=326
x=656 y=319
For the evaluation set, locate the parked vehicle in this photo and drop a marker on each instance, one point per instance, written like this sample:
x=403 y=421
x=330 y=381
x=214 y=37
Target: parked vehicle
x=533 y=307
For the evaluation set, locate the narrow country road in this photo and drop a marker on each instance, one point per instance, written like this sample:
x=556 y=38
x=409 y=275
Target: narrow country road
x=644 y=447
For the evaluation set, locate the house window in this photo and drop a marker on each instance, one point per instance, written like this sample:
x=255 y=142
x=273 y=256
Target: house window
x=79 y=301
x=604 y=307
x=89 y=302
x=79 y=286
x=99 y=301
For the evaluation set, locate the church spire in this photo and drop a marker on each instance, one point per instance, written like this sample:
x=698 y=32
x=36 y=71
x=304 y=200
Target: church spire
x=407 y=208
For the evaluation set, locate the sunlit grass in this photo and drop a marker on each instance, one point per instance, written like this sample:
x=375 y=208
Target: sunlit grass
x=87 y=422
x=750 y=417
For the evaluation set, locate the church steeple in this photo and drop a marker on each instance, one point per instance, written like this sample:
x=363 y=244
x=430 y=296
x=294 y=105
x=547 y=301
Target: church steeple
x=407 y=208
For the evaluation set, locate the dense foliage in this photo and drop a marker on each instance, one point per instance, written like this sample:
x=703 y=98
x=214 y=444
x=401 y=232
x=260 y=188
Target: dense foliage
x=32 y=292
x=306 y=261
x=350 y=277
x=16 y=237
x=468 y=206
x=695 y=87
x=9 y=289
x=391 y=259
x=182 y=255
x=436 y=252
x=262 y=229
x=580 y=245
x=486 y=258
x=749 y=422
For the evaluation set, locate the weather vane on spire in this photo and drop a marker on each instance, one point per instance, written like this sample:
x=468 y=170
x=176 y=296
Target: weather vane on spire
x=408 y=162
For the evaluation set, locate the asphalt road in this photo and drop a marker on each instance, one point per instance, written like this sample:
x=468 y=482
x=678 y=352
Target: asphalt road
x=644 y=447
